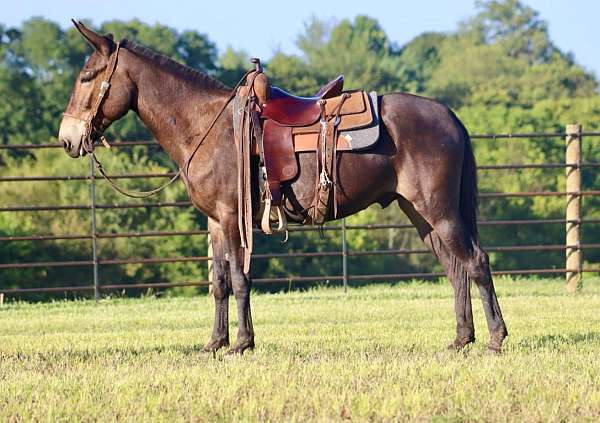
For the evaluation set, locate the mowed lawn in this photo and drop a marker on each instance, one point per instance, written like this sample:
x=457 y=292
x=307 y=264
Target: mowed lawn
x=375 y=353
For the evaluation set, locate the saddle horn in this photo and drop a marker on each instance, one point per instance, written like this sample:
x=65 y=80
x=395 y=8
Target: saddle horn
x=257 y=65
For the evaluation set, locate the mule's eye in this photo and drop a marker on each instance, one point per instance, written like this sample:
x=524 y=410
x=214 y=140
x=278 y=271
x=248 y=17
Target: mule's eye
x=86 y=76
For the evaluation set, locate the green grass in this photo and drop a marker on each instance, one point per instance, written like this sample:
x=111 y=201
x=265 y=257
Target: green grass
x=377 y=353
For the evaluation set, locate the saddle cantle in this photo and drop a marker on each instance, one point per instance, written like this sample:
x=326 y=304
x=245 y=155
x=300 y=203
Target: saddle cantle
x=333 y=88
x=280 y=125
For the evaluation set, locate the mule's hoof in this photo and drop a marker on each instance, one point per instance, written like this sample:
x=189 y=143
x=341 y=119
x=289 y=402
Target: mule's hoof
x=496 y=340
x=241 y=346
x=215 y=344
x=460 y=343
x=495 y=349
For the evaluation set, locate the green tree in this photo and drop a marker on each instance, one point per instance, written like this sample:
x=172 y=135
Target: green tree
x=504 y=55
x=517 y=28
x=46 y=162
x=359 y=49
x=232 y=65
x=418 y=60
x=37 y=70
x=292 y=73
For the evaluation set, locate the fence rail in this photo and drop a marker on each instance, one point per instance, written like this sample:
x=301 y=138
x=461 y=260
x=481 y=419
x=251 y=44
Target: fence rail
x=573 y=221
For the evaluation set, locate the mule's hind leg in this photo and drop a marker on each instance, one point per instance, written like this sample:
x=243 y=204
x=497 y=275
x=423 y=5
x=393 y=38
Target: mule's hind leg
x=221 y=290
x=465 y=330
x=479 y=270
x=453 y=234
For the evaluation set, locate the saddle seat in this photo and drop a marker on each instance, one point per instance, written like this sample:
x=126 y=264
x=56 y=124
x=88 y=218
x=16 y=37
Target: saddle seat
x=290 y=110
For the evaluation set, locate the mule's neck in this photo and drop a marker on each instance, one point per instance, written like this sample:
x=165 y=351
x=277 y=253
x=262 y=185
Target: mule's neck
x=177 y=109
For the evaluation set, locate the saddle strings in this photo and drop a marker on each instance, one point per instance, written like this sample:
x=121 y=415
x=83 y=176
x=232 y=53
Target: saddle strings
x=321 y=163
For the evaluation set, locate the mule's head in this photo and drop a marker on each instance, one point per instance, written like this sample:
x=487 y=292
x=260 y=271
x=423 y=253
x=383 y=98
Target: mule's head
x=73 y=133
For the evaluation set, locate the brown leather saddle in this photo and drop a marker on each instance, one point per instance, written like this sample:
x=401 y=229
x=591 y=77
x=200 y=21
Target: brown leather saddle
x=284 y=125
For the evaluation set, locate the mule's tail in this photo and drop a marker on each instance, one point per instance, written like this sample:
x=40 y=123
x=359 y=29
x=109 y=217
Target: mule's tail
x=468 y=187
x=459 y=274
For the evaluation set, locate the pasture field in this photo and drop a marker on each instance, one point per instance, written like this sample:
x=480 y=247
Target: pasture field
x=376 y=353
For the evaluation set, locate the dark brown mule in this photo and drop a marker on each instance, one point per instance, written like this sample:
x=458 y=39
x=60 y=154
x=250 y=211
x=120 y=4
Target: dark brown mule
x=423 y=161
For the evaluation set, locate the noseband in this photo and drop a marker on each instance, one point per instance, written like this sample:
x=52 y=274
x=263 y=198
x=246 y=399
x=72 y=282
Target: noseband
x=87 y=142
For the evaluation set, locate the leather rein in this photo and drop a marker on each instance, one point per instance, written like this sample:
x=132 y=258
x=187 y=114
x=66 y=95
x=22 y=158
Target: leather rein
x=87 y=143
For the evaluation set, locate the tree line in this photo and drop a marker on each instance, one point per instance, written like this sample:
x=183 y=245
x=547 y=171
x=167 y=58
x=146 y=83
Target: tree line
x=499 y=70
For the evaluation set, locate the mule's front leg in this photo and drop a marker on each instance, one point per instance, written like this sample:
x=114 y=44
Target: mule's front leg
x=241 y=284
x=221 y=291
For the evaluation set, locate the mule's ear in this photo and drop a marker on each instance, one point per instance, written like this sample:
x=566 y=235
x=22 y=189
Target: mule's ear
x=104 y=45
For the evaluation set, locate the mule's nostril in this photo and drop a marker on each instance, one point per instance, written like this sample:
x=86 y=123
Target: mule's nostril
x=66 y=144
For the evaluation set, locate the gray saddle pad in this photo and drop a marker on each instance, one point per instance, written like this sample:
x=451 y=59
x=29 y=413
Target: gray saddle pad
x=363 y=138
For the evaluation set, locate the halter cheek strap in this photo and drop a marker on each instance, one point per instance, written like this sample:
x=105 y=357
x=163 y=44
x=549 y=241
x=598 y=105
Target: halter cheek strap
x=87 y=142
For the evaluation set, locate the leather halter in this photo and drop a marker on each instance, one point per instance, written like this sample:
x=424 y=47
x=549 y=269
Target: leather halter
x=87 y=142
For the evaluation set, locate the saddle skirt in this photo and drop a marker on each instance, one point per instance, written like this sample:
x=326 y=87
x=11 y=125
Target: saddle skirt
x=357 y=130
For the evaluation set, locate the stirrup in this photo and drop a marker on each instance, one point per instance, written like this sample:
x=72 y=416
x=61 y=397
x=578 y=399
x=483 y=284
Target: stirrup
x=265 y=223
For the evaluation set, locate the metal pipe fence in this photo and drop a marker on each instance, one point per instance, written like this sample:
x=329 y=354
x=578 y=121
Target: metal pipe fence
x=573 y=221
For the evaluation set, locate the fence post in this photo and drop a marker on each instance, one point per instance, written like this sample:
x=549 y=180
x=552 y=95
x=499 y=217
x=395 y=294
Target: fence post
x=209 y=263
x=94 y=231
x=344 y=255
x=573 y=212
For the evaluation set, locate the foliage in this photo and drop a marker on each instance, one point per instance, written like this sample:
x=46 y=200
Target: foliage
x=360 y=50
x=232 y=65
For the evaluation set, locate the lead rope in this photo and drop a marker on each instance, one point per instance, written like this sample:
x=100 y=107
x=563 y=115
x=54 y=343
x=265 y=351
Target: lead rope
x=146 y=194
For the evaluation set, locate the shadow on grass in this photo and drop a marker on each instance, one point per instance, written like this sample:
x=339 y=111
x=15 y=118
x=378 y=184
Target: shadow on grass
x=52 y=358
x=94 y=354
x=560 y=341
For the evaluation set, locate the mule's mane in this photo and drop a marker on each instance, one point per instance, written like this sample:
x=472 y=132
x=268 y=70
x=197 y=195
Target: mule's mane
x=181 y=70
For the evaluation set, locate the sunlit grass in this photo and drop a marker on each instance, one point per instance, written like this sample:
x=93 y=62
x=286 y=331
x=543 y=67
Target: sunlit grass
x=375 y=353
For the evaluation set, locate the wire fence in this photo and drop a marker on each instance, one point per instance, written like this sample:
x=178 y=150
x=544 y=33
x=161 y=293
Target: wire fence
x=573 y=221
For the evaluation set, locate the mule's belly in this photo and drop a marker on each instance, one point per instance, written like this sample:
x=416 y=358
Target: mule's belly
x=362 y=179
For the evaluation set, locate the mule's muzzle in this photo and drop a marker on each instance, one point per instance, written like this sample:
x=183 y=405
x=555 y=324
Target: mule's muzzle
x=66 y=145
x=73 y=150
x=70 y=135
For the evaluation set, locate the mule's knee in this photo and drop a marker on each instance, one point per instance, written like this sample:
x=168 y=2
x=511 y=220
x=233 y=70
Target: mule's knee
x=241 y=288
x=220 y=291
x=221 y=285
